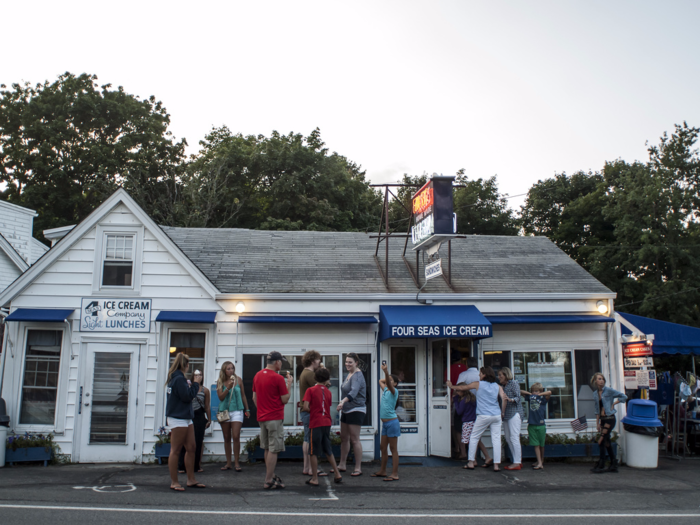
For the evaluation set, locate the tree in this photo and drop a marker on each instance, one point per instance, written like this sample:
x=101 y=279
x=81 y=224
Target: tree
x=66 y=146
x=287 y=182
x=568 y=210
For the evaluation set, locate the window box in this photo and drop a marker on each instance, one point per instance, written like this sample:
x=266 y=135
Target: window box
x=162 y=451
x=563 y=451
x=28 y=454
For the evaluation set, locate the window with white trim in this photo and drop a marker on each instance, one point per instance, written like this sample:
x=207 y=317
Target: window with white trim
x=333 y=361
x=41 y=374
x=118 y=261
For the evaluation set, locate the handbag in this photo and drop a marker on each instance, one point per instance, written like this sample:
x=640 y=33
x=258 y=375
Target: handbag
x=223 y=416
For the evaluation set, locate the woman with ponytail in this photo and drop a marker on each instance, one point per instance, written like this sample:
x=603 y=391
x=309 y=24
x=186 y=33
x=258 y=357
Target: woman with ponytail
x=232 y=398
x=179 y=414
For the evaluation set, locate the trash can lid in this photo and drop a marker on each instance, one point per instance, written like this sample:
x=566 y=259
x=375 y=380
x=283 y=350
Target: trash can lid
x=643 y=413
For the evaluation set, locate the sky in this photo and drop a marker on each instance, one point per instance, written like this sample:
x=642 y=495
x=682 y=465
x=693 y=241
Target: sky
x=520 y=90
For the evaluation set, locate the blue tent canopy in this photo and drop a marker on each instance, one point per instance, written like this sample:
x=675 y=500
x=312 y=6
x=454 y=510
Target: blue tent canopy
x=669 y=338
x=432 y=321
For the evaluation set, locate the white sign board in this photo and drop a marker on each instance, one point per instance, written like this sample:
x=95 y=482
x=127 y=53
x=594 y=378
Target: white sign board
x=636 y=379
x=433 y=270
x=551 y=375
x=115 y=315
x=638 y=362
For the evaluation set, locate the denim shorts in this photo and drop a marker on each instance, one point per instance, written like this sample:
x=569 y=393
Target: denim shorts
x=391 y=428
x=305 y=418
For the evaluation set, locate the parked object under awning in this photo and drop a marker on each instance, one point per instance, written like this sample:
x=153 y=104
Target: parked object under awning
x=432 y=321
x=307 y=319
x=179 y=316
x=669 y=338
x=39 y=315
x=548 y=319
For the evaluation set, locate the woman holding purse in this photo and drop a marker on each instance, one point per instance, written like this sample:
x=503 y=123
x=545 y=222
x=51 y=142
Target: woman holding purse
x=201 y=421
x=233 y=406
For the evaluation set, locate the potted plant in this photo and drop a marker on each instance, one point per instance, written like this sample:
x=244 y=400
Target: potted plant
x=562 y=446
x=293 y=444
x=162 y=446
x=30 y=447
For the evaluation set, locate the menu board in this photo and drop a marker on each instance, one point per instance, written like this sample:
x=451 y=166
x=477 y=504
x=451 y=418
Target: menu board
x=551 y=375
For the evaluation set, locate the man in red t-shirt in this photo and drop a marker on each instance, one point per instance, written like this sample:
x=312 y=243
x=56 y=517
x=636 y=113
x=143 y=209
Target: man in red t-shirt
x=270 y=394
x=317 y=401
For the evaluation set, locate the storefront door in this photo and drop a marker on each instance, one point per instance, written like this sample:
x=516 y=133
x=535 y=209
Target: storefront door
x=408 y=362
x=439 y=411
x=108 y=403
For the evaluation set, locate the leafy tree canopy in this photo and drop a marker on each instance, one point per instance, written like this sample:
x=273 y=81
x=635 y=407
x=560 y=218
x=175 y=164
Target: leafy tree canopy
x=281 y=182
x=66 y=146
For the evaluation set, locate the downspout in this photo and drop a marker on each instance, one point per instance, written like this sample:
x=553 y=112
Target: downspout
x=4 y=349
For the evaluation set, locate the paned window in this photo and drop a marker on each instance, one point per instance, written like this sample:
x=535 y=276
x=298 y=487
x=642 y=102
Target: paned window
x=553 y=371
x=40 y=382
x=192 y=344
x=253 y=363
x=118 y=265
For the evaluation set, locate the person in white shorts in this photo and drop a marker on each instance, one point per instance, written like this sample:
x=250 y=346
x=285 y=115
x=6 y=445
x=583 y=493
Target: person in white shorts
x=229 y=388
x=179 y=414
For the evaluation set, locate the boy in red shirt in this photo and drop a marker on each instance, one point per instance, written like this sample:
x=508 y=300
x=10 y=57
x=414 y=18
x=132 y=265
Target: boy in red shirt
x=317 y=401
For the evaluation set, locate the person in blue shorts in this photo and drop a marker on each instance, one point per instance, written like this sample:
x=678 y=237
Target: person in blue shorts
x=391 y=428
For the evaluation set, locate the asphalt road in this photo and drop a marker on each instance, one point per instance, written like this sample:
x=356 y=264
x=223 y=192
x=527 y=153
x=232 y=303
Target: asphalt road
x=139 y=494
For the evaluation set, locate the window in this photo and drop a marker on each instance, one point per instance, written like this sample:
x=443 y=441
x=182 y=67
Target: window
x=587 y=364
x=253 y=363
x=118 y=266
x=40 y=382
x=553 y=370
x=192 y=344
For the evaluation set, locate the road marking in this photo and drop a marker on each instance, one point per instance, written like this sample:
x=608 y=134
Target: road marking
x=331 y=496
x=129 y=488
x=346 y=515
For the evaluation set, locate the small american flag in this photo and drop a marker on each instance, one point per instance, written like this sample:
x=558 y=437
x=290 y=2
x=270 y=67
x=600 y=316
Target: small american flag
x=579 y=424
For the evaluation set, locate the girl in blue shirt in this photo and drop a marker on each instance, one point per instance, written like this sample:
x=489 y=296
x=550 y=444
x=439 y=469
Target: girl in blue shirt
x=391 y=428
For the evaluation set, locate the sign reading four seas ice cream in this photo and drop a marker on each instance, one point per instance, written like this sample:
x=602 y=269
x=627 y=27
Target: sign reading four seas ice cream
x=115 y=315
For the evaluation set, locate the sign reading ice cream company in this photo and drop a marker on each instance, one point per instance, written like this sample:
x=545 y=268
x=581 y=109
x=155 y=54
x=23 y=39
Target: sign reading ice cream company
x=115 y=315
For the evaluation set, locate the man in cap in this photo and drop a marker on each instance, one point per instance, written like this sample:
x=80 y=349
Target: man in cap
x=270 y=394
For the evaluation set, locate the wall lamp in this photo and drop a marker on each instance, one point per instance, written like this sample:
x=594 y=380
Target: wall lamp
x=240 y=307
x=602 y=307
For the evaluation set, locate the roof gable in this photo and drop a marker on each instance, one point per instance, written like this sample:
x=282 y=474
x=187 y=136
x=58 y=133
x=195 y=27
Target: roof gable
x=117 y=198
x=13 y=254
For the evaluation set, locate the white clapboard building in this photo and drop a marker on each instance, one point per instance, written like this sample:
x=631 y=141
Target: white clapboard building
x=94 y=324
x=18 y=249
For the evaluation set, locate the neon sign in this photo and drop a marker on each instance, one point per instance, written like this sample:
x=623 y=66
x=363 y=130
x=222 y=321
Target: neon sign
x=432 y=211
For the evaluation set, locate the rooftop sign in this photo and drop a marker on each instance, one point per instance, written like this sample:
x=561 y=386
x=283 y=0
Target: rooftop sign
x=433 y=212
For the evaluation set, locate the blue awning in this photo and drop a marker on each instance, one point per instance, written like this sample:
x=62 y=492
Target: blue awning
x=432 y=321
x=669 y=338
x=42 y=315
x=180 y=316
x=548 y=319
x=307 y=319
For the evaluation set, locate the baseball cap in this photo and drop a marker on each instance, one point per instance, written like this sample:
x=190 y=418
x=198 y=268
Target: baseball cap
x=275 y=356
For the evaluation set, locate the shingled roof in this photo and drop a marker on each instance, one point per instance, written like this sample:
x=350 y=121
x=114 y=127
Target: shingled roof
x=253 y=261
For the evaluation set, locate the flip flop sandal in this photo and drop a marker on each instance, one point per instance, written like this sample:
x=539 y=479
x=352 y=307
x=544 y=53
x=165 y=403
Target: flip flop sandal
x=179 y=488
x=338 y=480
x=238 y=469
x=465 y=467
x=342 y=469
x=278 y=480
x=226 y=468
x=271 y=486
x=377 y=475
x=390 y=479
x=356 y=474
x=197 y=486
x=537 y=468
x=308 y=482
x=322 y=474
x=487 y=464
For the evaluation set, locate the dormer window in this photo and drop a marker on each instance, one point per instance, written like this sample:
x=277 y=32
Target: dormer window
x=118 y=266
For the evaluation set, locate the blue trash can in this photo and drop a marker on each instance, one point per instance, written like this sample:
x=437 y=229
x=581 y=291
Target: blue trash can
x=642 y=425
